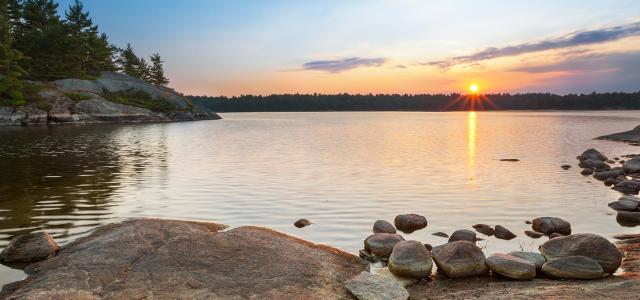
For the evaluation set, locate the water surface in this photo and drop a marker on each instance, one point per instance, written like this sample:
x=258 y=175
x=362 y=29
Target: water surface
x=341 y=170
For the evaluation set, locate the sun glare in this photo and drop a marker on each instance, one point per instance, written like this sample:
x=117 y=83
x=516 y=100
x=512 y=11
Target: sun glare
x=473 y=88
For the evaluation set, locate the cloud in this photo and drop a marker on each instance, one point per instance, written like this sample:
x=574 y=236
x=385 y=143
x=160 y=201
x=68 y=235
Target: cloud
x=337 y=66
x=579 y=38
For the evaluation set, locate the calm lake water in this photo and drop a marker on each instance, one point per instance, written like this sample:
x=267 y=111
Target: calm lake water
x=341 y=170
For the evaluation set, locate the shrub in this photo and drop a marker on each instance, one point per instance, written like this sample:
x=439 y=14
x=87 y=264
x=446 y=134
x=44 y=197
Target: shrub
x=139 y=99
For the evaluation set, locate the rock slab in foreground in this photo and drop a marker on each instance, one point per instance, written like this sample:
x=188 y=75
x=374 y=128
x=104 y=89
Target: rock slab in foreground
x=30 y=247
x=161 y=259
x=367 y=286
x=590 y=245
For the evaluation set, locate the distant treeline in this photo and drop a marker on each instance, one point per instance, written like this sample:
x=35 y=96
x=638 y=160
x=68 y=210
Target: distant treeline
x=420 y=102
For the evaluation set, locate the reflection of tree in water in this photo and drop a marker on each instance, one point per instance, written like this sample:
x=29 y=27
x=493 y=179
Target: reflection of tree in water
x=65 y=179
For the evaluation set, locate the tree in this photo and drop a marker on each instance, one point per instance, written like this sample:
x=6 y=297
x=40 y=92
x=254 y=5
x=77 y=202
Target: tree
x=157 y=71
x=128 y=61
x=14 y=15
x=142 y=69
x=90 y=52
x=10 y=72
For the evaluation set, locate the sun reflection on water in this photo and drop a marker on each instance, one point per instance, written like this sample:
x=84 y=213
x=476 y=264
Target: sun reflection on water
x=471 y=142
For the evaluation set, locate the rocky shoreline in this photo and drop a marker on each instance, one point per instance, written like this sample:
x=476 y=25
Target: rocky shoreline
x=78 y=101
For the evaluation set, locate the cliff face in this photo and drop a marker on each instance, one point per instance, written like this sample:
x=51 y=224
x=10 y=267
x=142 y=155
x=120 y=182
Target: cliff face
x=71 y=101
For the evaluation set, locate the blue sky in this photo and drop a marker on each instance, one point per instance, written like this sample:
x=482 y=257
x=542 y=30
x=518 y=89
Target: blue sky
x=264 y=47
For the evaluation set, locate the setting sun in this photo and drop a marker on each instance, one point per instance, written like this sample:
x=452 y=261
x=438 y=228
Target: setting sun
x=473 y=88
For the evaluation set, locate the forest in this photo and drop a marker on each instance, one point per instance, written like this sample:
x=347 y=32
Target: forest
x=37 y=44
x=420 y=102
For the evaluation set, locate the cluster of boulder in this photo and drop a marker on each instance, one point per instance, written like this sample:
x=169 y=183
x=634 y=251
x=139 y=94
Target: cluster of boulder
x=564 y=255
x=623 y=176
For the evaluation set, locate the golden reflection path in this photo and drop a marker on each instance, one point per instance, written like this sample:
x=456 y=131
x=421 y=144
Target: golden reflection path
x=472 y=122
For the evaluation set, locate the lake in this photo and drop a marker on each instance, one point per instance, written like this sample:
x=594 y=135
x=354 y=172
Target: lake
x=341 y=170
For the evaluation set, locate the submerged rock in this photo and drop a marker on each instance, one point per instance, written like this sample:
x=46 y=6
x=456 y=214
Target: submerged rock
x=590 y=245
x=566 y=167
x=484 y=229
x=503 y=233
x=586 y=172
x=410 y=259
x=511 y=266
x=367 y=286
x=604 y=175
x=410 y=222
x=510 y=159
x=460 y=259
x=169 y=259
x=381 y=244
x=302 y=223
x=534 y=257
x=30 y=247
x=592 y=154
x=382 y=226
x=594 y=164
x=549 y=225
x=441 y=234
x=533 y=234
x=463 y=235
x=573 y=267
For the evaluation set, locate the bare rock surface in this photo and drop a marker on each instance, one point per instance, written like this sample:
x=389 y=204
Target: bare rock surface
x=590 y=245
x=30 y=247
x=167 y=259
x=367 y=286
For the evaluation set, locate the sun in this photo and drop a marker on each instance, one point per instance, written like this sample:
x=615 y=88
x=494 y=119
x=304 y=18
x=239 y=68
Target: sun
x=473 y=88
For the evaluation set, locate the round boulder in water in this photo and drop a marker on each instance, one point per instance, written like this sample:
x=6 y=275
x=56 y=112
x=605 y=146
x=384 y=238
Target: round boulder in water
x=460 y=259
x=410 y=222
x=30 y=247
x=549 y=225
x=511 y=266
x=503 y=233
x=463 y=235
x=590 y=245
x=573 y=267
x=381 y=244
x=410 y=259
x=382 y=226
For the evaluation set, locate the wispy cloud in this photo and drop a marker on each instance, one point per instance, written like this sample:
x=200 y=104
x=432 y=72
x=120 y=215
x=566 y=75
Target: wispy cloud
x=337 y=66
x=579 y=38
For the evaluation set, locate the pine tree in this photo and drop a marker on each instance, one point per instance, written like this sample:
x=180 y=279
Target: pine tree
x=14 y=15
x=157 y=71
x=143 y=70
x=90 y=51
x=10 y=72
x=128 y=61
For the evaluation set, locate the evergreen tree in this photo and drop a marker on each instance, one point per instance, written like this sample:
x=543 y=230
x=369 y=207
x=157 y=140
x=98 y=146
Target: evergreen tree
x=90 y=52
x=128 y=61
x=10 y=84
x=157 y=71
x=44 y=40
x=14 y=15
x=143 y=70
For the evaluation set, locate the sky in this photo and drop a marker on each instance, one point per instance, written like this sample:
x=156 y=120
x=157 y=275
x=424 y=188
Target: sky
x=368 y=46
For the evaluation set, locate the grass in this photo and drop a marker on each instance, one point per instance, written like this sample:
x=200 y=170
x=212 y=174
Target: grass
x=139 y=99
x=77 y=97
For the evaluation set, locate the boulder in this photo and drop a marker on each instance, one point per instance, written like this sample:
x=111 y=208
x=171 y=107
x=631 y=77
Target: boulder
x=549 y=225
x=628 y=218
x=503 y=233
x=590 y=245
x=565 y=167
x=30 y=247
x=367 y=286
x=302 y=223
x=534 y=257
x=460 y=259
x=484 y=229
x=625 y=205
x=628 y=187
x=410 y=259
x=533 y=234
x=410 y=222
x=594 y=164
x=511 y=266
x=463 y=235
x=573 y=267
x=381 y=244
x=382 y=226
x=632 y=165
x=592 y=154
x=604 y=175
x=586 y=172
x=168 y=259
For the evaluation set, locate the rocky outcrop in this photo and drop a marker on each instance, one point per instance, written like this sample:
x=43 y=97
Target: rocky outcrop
x=73 y=101
x=166 y=259
x=631 y=136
